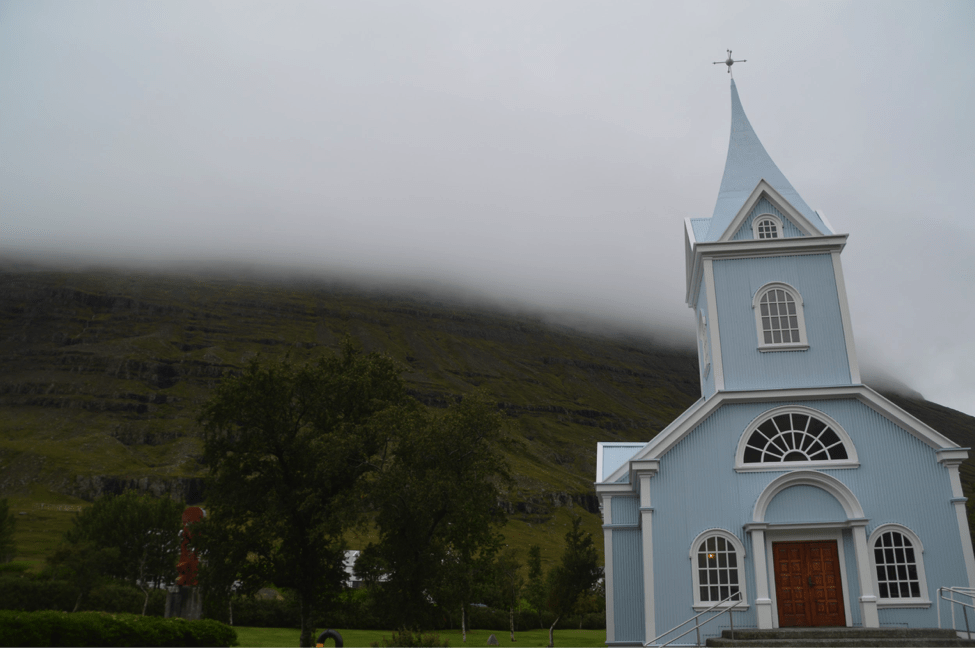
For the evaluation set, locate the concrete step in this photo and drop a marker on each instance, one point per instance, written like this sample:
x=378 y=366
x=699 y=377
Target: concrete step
x=835 y=637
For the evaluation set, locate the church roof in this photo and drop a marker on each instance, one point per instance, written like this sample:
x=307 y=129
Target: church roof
x=747 y=164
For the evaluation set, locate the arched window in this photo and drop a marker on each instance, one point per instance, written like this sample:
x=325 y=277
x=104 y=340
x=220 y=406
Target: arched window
x=792 y=437
x=779 y=318
x=717 y=558
x=766 y=226
x=898 y=567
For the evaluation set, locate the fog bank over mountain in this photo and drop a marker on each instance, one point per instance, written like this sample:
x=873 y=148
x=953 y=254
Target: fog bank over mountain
x=543 y=156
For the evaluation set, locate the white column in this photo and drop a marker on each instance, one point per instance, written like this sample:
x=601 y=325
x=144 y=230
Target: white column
x=868 y=598
x=608 y=570
x=646 y=532
x=958 y=499
x=763 y=604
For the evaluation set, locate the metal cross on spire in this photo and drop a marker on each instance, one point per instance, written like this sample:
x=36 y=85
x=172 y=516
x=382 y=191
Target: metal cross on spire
x=730 y=62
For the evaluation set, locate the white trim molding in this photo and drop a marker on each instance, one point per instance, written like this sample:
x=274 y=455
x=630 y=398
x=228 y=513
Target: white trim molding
x=833 y=486
x=851 y=348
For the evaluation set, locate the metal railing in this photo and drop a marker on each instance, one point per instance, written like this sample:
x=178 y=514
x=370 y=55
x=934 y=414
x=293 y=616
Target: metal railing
x=697 y=624
x=949 y=594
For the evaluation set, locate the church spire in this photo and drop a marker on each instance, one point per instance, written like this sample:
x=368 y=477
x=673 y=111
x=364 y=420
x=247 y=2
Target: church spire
x=746 y=165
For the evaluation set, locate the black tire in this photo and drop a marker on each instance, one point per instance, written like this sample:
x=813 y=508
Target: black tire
x=330 y=634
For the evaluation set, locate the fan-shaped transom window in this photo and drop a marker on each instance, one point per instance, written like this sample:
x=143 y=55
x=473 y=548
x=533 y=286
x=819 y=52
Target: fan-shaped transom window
x=767 y=229
x=779 y=318
x=790 y=435
x=794 y=437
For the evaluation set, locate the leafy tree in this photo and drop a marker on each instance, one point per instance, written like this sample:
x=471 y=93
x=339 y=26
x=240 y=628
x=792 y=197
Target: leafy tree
x=143 y=531
x=577 y=573
x=507 y=584
x=535 y=591
x=7 y=547
x=438 y=510
x=286 y=447
x=85 y=566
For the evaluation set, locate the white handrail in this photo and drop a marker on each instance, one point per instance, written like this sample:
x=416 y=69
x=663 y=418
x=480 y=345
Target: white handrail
x=952 y=591
x=697 y=626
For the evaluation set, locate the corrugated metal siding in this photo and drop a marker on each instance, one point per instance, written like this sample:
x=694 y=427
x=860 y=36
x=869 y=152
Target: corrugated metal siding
x=899 y=480
x=614 y=457
x=628 y=584
x=700 y=227
x=804 y=504
x=825 y=363
x=626 y=510
x=745 y=232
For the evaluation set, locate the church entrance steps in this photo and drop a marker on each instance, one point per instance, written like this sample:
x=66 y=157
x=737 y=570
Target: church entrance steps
x=836 y=637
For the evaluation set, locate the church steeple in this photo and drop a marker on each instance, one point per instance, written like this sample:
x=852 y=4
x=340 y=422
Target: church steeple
x=747 y=164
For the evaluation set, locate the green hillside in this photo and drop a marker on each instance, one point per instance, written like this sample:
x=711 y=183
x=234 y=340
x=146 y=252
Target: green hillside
x=102 y=374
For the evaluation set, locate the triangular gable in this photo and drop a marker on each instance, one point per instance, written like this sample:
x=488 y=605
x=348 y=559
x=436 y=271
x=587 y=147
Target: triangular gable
x=766 y=207
x=766 y=193
x=687 y=422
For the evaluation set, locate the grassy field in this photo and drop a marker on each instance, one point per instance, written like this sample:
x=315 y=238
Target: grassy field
x=260 y=637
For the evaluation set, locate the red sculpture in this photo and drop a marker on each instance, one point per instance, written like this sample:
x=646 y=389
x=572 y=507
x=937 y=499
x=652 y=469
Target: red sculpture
x=188 y=561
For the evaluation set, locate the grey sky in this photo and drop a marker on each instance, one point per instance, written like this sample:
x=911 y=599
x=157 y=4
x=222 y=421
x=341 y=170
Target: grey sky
x=543 y=152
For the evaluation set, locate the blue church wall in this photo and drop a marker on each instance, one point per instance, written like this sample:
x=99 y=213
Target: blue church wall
x=898 y=480
x=745 y=367
x=626 y=510
x=628 y=584
x=763 y=206
x=798 y=504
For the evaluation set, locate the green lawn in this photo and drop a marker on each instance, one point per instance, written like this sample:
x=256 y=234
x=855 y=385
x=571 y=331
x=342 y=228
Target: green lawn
x=261 y=637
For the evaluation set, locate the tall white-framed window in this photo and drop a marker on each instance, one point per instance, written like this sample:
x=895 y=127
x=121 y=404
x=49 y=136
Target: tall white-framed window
x=896 y=553
x=779 y=318
x=766 y=226
x=717 y=568
x=794 y=437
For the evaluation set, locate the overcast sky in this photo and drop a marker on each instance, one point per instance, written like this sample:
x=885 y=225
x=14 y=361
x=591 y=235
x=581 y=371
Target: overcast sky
x=541 y=152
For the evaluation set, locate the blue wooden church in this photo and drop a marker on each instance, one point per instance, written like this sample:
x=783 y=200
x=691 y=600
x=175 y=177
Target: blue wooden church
x=790 y=484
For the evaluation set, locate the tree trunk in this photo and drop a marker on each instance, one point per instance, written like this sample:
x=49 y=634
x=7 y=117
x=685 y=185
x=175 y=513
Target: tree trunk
x=145 y=603
x=463 y=622
x=78 y=601
x=551 y=632
x=511 y=621
x=306 y=629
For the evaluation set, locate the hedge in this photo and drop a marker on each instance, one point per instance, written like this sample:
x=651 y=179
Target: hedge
x=29 y=592
x=52 y=628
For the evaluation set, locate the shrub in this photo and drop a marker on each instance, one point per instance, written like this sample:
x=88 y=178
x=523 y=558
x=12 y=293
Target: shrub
x=50 y=628
x=409 y=638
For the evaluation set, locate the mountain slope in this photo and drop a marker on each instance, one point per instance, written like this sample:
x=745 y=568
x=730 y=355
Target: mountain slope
x=102 y=374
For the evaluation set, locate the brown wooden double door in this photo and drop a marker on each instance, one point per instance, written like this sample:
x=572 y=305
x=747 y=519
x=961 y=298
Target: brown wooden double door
x=808 y=587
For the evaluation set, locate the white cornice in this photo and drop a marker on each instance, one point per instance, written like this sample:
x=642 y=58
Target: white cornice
x=692 y=417
x=750 y=249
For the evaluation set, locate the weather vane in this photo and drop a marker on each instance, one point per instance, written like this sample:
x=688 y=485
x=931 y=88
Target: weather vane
x=730 y=62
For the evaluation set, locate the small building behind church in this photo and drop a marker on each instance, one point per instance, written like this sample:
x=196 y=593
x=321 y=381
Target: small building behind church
x=790 y=488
